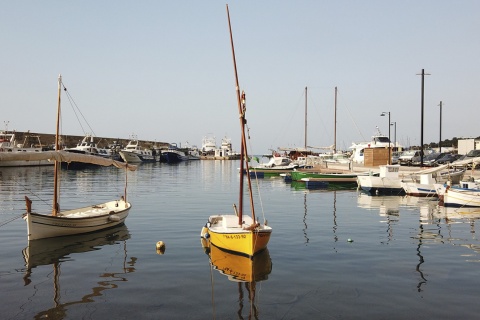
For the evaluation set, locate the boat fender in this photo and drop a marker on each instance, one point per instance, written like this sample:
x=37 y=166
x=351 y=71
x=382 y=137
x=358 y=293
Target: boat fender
x=206 y=235
x=160 y=247
x=114 y=218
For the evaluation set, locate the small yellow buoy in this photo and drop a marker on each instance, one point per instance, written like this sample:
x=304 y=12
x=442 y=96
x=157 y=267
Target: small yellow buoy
x=160 y=247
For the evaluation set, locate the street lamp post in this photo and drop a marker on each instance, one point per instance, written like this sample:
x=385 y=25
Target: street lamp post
x=389 y=143
x=394 y=123
x=440 y=140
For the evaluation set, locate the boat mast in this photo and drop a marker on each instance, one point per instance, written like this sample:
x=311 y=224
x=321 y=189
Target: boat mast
x=243 y=153
x=335 y=125
x=305 y=146
x=56 y=206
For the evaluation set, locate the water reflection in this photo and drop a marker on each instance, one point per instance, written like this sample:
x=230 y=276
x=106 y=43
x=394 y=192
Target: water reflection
x=310 y=193
x=305 y=218
x=56 y=251
x=246 y=272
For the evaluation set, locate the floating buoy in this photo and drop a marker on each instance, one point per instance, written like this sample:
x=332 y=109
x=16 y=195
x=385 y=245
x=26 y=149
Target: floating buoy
x=160 y=247
x=349 y=240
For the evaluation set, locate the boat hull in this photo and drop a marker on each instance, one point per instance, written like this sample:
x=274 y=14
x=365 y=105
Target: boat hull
x=380 y=185
x=222 y=232
x=327 y=176
x=419 y=189
x=77 y=221
x=174 y=157
x=460 y=198
x=130 y=157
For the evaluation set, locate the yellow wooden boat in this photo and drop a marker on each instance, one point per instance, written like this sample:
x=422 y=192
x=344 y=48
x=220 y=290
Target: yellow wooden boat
x=237 y=232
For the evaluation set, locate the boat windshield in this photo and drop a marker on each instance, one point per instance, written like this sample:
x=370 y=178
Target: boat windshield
x=382 y=139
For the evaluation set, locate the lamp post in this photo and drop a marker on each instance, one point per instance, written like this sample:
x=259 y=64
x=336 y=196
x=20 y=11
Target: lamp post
x=394 y=123
x=440 y=140
x=389 y=144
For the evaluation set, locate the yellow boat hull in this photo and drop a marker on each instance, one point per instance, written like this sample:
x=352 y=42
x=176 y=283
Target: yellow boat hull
x=235 y=238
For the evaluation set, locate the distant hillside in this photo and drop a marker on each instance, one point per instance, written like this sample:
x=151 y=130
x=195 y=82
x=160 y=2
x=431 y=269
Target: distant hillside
x=48 y=139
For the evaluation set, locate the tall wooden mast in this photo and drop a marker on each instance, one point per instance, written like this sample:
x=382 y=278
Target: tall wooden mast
x=305 y=146
x=56 y=206
x=241 y=101
x=335 y=125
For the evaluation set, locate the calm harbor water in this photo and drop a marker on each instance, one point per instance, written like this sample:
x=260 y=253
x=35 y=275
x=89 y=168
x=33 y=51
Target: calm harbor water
x=406 y=259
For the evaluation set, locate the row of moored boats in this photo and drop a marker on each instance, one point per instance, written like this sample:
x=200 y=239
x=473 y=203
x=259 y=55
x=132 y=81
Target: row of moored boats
x=132 y=153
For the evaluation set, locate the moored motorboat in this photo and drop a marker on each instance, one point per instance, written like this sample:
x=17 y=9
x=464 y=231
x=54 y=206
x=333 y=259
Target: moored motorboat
x=275 y=166
x=173 y=154
x=388 y=182
x=422 y=183
x=8 y=144
x=88 y=147
x=134 y=153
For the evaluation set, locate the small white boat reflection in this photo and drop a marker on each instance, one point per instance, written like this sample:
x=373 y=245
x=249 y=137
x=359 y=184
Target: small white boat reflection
x=56 y=251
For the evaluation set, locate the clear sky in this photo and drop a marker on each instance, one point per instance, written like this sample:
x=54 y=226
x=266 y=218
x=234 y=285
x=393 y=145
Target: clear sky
x=163 y=69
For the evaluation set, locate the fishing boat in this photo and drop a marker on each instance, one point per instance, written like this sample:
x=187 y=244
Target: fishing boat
x=387 y=182
x=277 y=165
x=422 y=183
x=134 y=153
x=174 y=154
x=86 y=146
x=461 y=197
x=238 y=233
x=8 y=144
x=209 y=144
x=72 y=221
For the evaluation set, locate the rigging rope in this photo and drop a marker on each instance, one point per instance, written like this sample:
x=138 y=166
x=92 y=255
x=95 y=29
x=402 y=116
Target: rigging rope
x=21 y=214
x=74 y=105
x=256 y=178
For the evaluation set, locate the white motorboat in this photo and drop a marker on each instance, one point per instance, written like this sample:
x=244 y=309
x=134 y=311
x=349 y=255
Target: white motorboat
x=423 y=184
x=379 y=140
x=134 y=153
x=388 y=182
x=8 y=144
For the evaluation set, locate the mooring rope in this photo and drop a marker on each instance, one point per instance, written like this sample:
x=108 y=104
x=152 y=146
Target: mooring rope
x=10 y=220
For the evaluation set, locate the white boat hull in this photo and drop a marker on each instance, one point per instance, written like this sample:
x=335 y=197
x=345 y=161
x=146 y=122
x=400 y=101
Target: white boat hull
x=380 y=185
x=130 y=157
x=459 y=198
x=419 y=189
x=77 y=221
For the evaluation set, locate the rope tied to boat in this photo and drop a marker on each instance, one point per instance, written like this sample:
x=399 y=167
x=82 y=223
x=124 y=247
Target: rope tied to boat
x=11 y=220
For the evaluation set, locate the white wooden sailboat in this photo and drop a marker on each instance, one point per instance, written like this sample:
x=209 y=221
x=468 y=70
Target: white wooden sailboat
x=238 y=233
x=74 y=221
